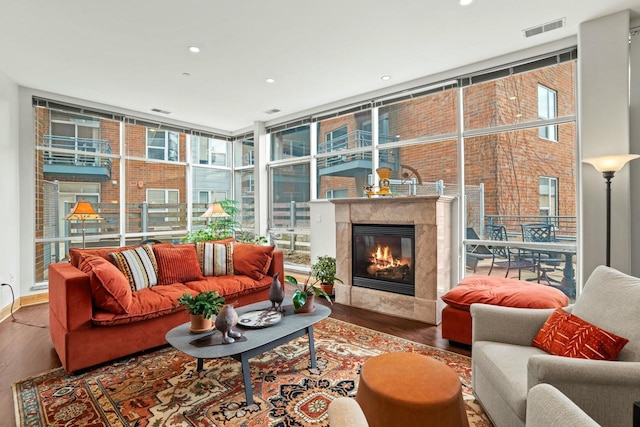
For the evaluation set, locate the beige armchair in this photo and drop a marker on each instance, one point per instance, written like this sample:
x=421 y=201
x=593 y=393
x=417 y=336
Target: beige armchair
x=505 y=365
x=548 y=407
x=345 y=412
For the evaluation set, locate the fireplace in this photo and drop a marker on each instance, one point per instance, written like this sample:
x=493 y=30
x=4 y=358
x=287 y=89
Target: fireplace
x=429 y=219
x=383 y=257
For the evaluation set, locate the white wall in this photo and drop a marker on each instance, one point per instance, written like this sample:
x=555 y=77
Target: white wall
x=634 y=144
x=603 y=114
x=323 y=229
x=9 y=192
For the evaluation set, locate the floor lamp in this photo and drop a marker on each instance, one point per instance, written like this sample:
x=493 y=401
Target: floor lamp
x=83 y=211
x=609 y=165
x=215 y=211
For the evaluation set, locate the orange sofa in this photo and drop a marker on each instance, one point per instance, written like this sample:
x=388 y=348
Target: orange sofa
x=94 y=318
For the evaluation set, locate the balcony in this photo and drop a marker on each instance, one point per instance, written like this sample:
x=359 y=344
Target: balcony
x=76 y=157
x=350 y=163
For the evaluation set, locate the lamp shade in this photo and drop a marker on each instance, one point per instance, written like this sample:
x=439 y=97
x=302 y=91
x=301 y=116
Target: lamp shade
x=83 y=211
x=214 y=211
x=610 y=163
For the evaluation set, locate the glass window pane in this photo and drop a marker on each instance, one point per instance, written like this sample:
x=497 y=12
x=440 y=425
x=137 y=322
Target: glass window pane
x=427 y=116
x=290 y=201
x=244 y=152
x=515 y=99
x=421 y=169
x=346 y=173
x=245 y=196
x=291 y=143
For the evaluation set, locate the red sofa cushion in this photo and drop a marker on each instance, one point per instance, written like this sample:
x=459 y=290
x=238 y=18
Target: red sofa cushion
x=230 y=287
x=568 y=335
x=147 y=303
x=76 y=254
x=177 y=264
x=252 y=260
x=503 y=292
x=110 y=290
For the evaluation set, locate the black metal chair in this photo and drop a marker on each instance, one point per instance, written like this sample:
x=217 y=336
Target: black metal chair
x=475 y=253
x=517 y=259
x=547 y=261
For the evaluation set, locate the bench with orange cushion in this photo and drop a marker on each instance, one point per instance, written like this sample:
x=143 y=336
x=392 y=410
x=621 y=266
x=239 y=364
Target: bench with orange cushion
x=456 y=319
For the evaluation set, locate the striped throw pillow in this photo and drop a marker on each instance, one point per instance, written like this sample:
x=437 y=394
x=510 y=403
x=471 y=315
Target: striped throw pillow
x=215 y=259
x=139 y=266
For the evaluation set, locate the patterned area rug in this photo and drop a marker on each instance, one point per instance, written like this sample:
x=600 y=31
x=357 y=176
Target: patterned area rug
x=163 y=389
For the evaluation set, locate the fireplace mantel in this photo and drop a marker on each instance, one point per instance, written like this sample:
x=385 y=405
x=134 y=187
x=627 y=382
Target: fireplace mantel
x=431 y=216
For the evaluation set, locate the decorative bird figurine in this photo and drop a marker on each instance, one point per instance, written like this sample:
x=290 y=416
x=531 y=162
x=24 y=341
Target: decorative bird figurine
x=276 y=294
x=225 y=322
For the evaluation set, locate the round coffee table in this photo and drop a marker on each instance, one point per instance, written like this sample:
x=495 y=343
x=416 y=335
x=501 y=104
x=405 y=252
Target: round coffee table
x=409 y=389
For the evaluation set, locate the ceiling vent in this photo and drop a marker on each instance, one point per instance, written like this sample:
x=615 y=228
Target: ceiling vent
x=157 y=110
x=539 y=29
x=272 y=111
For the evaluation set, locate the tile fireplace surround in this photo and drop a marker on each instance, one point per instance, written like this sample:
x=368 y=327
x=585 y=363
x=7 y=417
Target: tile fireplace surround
x=431 y=217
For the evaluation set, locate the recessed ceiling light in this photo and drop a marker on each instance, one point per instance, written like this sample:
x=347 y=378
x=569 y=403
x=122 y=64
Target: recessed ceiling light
x=270 y=80
x=385 y=78
x=465 y=2
x=186 y=74
x=272 y=111
x=194 y=49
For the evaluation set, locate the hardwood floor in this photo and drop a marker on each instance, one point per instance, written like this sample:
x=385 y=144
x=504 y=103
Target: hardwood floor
x=26 y=349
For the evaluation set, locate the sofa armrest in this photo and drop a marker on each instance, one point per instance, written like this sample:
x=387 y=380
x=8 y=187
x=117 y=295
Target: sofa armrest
x=345 y=412
x=547 y=406
x=69 y=296
x=508 y=325
x=605 y=390
x=277 y=265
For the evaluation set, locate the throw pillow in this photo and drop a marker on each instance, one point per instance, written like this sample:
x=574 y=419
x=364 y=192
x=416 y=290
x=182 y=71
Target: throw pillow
x=110 y=290
x=569 y=335
x=177 y=264
x=138 y=265
x=215 y=259
x=252 y=260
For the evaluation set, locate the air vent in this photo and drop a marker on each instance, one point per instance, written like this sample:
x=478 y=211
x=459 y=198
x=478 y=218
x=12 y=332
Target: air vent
x=272 y=111
x=539 y=29
x=157 y=110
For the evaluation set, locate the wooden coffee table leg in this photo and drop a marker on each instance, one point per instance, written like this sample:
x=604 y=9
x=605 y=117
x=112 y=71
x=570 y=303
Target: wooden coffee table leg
x=248 y=392
x=312 y=347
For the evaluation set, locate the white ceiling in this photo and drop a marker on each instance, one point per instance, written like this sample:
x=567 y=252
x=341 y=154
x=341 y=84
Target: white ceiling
x=132 y=53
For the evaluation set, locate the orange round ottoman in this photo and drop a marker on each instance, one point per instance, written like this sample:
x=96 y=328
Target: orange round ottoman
x=409 y=389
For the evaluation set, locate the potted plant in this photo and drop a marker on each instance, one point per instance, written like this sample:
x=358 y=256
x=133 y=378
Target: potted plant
x=304 y=295
x=325 y=272
x=202 y=307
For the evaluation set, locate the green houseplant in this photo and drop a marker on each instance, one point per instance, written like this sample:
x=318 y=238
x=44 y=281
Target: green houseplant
x=304 y=295
x=324 y=270
x=202 y=307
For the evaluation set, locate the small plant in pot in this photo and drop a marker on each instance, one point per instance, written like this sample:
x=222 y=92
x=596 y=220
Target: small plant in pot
x=324 y=270
x=304 y=295
x=202 y=307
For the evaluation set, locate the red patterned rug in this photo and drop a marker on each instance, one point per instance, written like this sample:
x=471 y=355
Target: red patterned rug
x=163 y=389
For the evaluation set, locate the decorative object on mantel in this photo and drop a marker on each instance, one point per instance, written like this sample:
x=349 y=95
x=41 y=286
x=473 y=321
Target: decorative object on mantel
x=226 y=320
x=324 y=270
x=276 y=294
x=202 y=307
x=384 y=173
x=609 y=165
x=304 y=296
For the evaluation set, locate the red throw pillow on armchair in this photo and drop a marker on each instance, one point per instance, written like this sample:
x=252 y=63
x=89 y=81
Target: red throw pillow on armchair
x=568 y=335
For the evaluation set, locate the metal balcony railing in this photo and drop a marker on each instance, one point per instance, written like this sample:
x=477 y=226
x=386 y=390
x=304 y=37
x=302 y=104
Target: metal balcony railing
x=86 y=153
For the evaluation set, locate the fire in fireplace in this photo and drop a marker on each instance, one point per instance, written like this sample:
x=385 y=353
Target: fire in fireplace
x=383 y=257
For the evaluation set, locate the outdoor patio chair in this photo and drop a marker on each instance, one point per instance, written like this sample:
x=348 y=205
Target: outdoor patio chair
x=513 y=259
x=475 y=253
x=547 y=261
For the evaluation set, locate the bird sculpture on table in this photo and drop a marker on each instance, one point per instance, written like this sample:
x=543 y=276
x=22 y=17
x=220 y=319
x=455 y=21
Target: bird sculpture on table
x=276 y=294
x=226 y=320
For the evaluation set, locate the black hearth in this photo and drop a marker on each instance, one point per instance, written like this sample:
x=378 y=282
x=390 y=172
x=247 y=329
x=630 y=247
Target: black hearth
x=383 y=257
